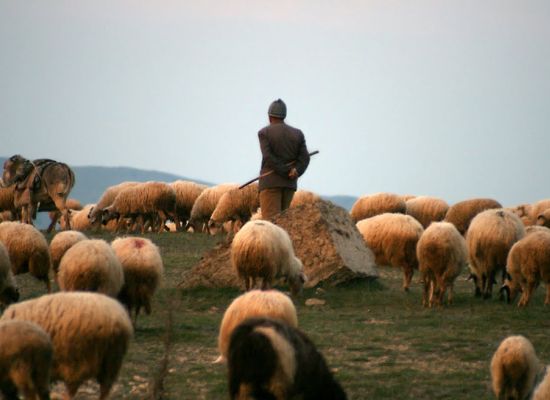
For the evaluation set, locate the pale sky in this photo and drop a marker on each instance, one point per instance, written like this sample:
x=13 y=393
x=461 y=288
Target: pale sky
x=449 y=98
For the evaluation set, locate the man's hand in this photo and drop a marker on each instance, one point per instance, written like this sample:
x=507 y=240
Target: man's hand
x=293 y=174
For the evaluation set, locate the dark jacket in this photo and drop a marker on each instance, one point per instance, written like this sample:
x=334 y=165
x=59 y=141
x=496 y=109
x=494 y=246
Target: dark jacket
x=280 y=144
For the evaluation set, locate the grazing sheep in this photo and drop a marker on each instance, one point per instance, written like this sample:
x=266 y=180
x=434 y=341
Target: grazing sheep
x=26 y=357
x=62 y=242
x=302 y=197
x=90 y=335
x=105 y=201
x=186 y=194
x=393 y=239
x=8 y=289
x=527 y=265
x=28 y=250
x=491 y=235
x=91 y=265
x=205 y=205
x=271 y=360
x=255 y=303
x=462 y=213
x=143 y=269
x=542 y=392
x=427 y=209
x=376 y=204
x=262 y=250
x=514 y=368
x=79 y=219
x=236 y=205
x=442 y=255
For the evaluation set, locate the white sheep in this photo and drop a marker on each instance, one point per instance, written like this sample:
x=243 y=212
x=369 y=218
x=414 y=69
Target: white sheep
x=90 y=334
x=255 y=303
x=105 y=201
x=442 y=255
x=80 y=220
x=514 y=368
x=537 y=209
x=236 y=205
x=302 y=197
x=491 y=235
x=26 y=356
x=8 y=288
x=542 y=391
x=269 y=359
x=28 y=250
x=187 y=193
x=262 y=250
x=91 y=265
x=62 y=242
x=527 y=265
x=205 y=205
x=393 y=238
x=462 y=213
x=142 y=265
x=426 y=209
x=376 y=204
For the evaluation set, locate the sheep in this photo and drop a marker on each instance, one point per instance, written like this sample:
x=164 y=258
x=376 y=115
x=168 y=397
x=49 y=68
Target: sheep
x=79 y=219
x=269 y=359
x=527 y=265
x=442 y=255
x=302 y=197
x=523 y=211
x=542 y=391
x=7 y=216
x=72 y=205
x=393 y=239
x=543 y=219
x=91 y=265
x=62 y=242
x=426 y=209
x=26 y=357
x=535 y=228
x=255 y=303
x=490 y=237
x=90 y=335
x=8 y=289
x=462 y=213
x=537 y=209
x=142 y=266
x=28 y=250
x=105 y=201
x=379 y=203
x=205 y=204
x=236 y=205
x=514 y=368
x=146 y=200
x=186 y=194
x=262 y=250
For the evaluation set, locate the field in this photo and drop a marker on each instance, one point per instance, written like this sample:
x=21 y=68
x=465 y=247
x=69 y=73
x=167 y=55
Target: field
x=379 y=341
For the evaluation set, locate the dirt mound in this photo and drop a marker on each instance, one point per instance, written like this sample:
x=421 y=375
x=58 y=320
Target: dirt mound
x=324 y=237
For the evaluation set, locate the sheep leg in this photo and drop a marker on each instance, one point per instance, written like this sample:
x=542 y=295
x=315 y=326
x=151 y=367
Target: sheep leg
x=407 y=277
x=427 y=289
x=527 y=293
x=547 y=299
x=162 y=215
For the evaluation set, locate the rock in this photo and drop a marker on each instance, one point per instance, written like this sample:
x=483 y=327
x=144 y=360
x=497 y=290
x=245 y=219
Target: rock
x=315 y=302
x=325 y=239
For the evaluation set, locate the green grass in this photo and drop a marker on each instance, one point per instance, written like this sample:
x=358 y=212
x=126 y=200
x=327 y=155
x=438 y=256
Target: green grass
x=380 y=342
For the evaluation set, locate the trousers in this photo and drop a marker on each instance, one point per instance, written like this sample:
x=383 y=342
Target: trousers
x=275 y=200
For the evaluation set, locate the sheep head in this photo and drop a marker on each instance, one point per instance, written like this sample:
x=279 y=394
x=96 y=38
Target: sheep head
x=509 y=289
x=296 y=277
x=108 y=214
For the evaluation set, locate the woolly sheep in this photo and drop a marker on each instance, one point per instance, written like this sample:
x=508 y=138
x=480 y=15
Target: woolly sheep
x=28 y=250
x=90 y=335
x=535 y=228
x=26 y=357
x=523 y=211
x=302 y=197
x=462 y=213
x=442 y=255
x=537 y=209
x=426 y=209
x=542 y=392
x=143 y=269
x=79 y=219
x=527 y=265
x=105 y=201
x=205 y=204
x=187 y=193
x=235 y=205
x=291 y=366
x=514 y=368
x=376 y=204
x=393 y=239
x=543 y=219
x=8 y=289
x=91 y=265
x=490 y=237
x=62 y=242
x=262 y=250
x=255 y=303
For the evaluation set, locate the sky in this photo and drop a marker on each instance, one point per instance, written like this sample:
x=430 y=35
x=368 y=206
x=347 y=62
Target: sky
x=447 y=98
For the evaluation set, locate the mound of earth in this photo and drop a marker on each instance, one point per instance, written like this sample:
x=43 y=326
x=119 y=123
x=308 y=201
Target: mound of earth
x=324 y=238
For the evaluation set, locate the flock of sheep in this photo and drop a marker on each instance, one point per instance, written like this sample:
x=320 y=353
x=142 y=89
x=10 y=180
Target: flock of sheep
x=260 y=326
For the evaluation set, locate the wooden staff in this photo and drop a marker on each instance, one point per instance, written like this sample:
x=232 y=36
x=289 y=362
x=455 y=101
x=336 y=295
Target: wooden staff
x=270 y=172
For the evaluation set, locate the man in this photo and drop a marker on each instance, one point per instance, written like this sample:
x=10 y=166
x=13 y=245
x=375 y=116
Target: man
x=281 y=145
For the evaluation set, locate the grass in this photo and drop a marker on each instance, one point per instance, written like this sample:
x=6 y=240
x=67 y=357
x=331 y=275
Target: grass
x=379 y=341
